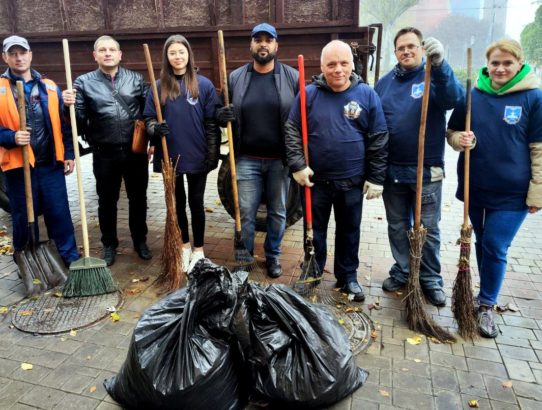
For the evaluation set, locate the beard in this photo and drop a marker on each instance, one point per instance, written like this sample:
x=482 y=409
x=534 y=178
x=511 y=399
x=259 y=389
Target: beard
x=264 y=59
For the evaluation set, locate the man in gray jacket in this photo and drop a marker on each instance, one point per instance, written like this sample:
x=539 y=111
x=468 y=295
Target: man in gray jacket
x=107 y=102
x=262 y=93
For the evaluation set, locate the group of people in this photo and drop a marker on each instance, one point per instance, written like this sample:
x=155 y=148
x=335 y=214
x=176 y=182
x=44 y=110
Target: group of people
x=362 y=142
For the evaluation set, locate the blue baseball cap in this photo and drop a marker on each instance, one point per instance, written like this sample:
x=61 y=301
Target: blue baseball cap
x=264 y=28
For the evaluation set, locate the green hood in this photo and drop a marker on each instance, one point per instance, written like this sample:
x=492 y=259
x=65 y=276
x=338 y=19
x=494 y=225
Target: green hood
x=484 y=81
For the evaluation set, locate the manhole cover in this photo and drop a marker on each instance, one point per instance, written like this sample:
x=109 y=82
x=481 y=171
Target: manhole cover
x=50 y=314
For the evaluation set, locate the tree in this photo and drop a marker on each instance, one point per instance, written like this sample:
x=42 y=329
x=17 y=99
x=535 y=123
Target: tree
x=530 y=39
x=386 y=12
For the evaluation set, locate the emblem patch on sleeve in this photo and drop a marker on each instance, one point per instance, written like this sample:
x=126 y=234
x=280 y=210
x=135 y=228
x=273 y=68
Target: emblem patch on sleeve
x=417 y=90
x=352 y=110
x=512 y=114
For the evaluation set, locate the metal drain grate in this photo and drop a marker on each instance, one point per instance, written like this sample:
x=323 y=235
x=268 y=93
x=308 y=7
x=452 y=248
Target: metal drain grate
x=50 y=314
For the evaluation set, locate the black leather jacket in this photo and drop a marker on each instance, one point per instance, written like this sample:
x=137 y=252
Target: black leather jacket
x=100 y=117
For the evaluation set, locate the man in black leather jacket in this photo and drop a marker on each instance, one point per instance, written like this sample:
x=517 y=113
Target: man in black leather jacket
x=261 y=94
x=107 y=102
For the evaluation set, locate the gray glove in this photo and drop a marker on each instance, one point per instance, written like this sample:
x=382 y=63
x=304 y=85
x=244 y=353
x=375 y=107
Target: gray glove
x=372 y=190
x=434 y=50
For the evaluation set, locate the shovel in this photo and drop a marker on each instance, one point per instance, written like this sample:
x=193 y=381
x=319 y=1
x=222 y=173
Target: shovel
x=40 y=264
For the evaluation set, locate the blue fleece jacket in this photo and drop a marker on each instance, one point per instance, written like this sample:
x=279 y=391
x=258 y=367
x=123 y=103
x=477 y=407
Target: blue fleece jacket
x=401 y=94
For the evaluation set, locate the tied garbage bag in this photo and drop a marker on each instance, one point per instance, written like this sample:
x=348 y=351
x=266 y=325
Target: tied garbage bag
x=298 y=353
x=181 y=353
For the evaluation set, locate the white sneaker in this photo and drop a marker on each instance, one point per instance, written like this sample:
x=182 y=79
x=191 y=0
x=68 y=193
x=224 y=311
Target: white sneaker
x=196 y=256
x=186 y=254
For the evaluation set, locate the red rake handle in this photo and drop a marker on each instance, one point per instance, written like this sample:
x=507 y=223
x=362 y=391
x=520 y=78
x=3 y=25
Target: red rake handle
x=304 y=135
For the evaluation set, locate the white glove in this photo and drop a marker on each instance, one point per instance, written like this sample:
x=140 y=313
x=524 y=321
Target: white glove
x=372 y=190
x=434 y=50
x=302 y=177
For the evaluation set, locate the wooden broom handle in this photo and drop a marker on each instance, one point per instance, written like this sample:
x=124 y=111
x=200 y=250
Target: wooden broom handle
x=73 y=121
x=421 y=145
x=224 y=84
x=466 y=173
x=156 y=99
x=26 y=163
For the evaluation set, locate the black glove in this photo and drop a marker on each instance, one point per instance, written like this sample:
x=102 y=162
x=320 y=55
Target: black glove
x=224 y=115
x=210 y=164
x=161 y=129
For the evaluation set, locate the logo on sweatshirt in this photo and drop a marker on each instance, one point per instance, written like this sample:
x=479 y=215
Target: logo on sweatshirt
x=512 y=114
x=352 y=110
x=417 y=90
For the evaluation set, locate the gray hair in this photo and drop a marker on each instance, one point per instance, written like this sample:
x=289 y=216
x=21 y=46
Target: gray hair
x=105 y=38
x=334 y=43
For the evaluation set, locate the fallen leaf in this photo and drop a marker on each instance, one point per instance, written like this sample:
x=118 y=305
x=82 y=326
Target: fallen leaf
x=4 y=310
x=36 y=281
x=111 y=309
x=338 y=306
x=145 y=279
x=217 y=201
x=350 y=297
x=341 y=321
x=92 y=389
x=398 y=293
x=377 y=301
x=73 y=333
x=474 y=403
x=209 y=209
x=384 y=393
x=435 y=340
x=507 y=384
x=27 y=366
x=374 y=334
x=63 y=339
x=476 y=285
x=512 y=307
x=89 y=357
x=135 y=280
x=404 y=369
x=115 y=317
x=349 y=310
x=417 y=360
x=57 y=294
x=416 y=340
x=26 y=313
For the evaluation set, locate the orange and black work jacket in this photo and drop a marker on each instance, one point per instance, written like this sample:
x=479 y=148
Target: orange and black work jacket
x=52 y=127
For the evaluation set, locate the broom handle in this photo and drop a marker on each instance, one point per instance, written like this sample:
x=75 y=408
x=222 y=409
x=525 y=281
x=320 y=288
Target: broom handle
x=421 y=145
x=155 y=98
x=466 y=183
x=305 y=139
x=84 y=228
x=26 y=164
x=224 y=83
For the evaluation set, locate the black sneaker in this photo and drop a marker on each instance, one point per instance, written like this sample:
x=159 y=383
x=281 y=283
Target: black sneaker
x=353 y=288
x=340 y=283
x=436 y=297
x=486 y=325
x=274 y=270
x=392 y=285
x=109 y=255
x=143 y=251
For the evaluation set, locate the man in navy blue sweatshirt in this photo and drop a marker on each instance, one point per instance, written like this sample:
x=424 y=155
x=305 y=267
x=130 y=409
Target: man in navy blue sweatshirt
x=401 y=93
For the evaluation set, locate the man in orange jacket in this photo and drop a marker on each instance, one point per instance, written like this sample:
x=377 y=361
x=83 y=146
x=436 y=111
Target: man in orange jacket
x=50 y=149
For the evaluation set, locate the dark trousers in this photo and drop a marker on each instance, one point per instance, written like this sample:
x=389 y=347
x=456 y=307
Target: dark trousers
x=50 y=197
x=196 y=191
x=111 y=165
x=347 y=201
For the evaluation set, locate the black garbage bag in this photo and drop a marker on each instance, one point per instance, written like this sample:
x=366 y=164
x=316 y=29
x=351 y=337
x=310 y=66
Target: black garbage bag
x=181 y=353
x=298 y=353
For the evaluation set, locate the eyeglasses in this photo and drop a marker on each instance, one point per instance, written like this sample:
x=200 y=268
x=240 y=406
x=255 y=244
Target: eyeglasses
x=410 y=47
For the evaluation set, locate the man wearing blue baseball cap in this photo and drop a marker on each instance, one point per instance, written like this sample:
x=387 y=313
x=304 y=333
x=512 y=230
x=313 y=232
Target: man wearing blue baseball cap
x=261 y=93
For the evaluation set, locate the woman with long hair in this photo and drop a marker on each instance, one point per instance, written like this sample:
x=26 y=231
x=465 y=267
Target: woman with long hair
x=505 y=163
x=188 y=101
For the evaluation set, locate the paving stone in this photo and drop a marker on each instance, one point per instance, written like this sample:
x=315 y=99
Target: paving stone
x=372 y=392
x=42 y=397
x=20 y=406
x=520 y=321
x=485 y=342
x=528 y=390
x=499 y=405
x=40 y=357
x=482 y=353
x=108 y=406
x=519 y=353
x=412 y=400
x=385 y=378
x=12 y=392
x=367 y=361
x=526 y=404
x=411 y=382
x=496 y=391
x=358 y=403
x=444 y=378
x=519 y=370
x=420 y=352
x=416 y=368
x=485 y=367
x=7 y=367
x=537 y=375
x=448 y=360
x=77 y=383
x=100 y=393
x=517 y=332
x=483 y=402
x=76 y=402
x=447 y=400
x=33 y=376
x=64 y=345
x=502 y=340
x=344 y=404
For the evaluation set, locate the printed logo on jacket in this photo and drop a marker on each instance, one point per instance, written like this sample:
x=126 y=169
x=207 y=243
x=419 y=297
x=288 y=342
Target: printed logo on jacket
x=417 y=90
x=512 y=114
x=352 y=110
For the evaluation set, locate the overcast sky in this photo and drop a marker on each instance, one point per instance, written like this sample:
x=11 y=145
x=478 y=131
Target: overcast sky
x=520 y=13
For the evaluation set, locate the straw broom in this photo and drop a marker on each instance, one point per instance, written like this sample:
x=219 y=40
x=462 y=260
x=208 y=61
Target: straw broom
x=417 y=317
x=462 y=296
x=88 y=276
x=171 y=258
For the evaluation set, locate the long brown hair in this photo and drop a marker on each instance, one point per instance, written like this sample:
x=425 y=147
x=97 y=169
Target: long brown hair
x=169 y=86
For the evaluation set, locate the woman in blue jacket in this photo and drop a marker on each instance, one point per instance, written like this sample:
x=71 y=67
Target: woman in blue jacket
x=506 y=164
x=188 y=102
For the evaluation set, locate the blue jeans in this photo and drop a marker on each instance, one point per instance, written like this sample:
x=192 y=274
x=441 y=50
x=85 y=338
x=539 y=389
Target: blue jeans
x=347 y=202
x=494 y=232
x=253 y=176
x=49 y=196
x=400 y=201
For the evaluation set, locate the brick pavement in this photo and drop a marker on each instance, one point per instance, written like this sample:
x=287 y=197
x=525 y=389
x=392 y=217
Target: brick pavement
x=69 y=370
